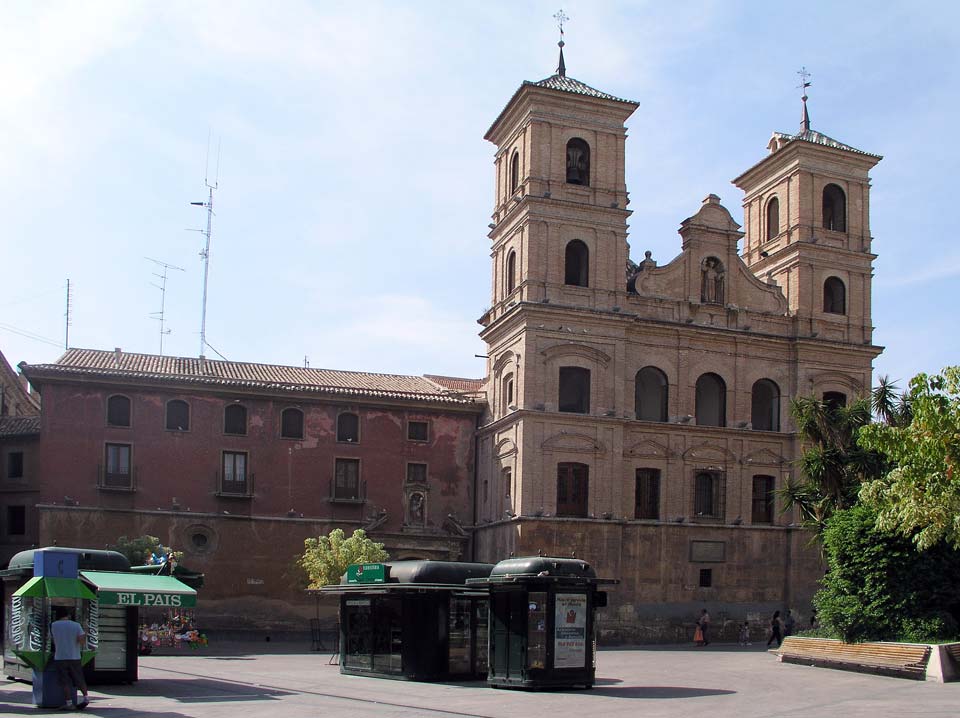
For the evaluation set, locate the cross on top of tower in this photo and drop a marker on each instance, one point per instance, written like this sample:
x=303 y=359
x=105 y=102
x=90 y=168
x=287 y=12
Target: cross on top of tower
x=561 y=18
x=804 y=84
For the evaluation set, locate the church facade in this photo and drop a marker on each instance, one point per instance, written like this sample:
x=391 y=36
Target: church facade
x=638 y=414
x=633 y=415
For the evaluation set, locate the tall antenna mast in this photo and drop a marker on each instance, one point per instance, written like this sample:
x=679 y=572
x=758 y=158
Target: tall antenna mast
x=163 y=296
x=205 y=254
x=66 y=333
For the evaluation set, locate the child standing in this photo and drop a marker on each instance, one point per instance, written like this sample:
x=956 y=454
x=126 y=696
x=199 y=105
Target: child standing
x=744 y=638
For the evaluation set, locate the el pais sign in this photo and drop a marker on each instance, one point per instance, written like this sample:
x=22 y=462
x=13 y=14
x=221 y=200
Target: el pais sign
x=146 y=598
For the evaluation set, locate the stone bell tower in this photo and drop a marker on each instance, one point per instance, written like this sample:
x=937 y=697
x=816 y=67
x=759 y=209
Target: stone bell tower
x=807 y=225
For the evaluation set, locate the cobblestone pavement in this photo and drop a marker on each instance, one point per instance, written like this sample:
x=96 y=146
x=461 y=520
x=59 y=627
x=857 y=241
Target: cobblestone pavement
x=246 y=680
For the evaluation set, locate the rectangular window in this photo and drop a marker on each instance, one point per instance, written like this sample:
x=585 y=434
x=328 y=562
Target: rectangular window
x=418 y=430
x=417 y=473
x=346 y=485
x=706 y=577
x=16 y=520
x=763 y=499
x=234 y=473
x=507 y=479
x=708 y=497
x=15 y=465
x=118 y=472
x=573 y=485
x=647 y=504
x=574 y=390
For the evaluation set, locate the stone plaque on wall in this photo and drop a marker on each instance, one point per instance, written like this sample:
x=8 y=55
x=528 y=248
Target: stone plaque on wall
x=707 y=551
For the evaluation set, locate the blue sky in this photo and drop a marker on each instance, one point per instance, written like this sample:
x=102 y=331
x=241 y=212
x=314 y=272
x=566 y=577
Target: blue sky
x=356 y=188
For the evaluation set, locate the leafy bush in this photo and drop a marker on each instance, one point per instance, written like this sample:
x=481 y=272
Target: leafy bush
x=879 y=586
x=325 y=559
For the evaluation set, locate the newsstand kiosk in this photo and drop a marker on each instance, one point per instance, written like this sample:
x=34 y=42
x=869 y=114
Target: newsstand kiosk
x=542 y=614
x=55 y=584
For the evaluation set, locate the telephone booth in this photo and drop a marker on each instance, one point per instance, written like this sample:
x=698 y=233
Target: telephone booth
x=542 y=613
x=55 y=584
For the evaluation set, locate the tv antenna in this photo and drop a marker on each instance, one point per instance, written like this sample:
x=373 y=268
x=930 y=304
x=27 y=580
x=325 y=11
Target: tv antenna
x=160 y=316
x=205 y=253
x=66 y=330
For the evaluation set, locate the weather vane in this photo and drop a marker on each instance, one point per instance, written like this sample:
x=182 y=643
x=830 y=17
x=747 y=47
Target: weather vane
x=561 y=18
x=804 y=84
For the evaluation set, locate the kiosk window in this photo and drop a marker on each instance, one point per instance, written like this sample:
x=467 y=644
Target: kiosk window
x=537 y=630
x=359 y=635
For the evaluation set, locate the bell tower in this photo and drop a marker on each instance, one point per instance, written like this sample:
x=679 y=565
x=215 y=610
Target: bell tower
x=807 y=229
x=559 y=222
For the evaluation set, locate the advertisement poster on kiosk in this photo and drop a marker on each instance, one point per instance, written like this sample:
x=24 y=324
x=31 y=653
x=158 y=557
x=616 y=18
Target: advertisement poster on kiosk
x=570 y=630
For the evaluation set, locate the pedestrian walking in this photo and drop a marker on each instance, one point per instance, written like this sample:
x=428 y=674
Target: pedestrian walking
x=703 y=623
x=776 y=630
x=68 y=638
x=789 y=624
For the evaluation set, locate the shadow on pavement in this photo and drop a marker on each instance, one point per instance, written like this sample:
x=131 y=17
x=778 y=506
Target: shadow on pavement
x=195 y=690
x=658 y=692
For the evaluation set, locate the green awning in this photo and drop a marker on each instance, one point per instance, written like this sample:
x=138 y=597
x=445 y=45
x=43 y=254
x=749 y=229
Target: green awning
x=49 y=587
x=134 y=589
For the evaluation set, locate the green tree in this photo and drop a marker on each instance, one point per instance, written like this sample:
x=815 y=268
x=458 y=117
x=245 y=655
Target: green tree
x=139 y=550
x=879 y=586
x=325 y=559
x=920 y=496
x=832 y=465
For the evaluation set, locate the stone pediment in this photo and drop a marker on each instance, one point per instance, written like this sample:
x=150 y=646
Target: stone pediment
x=576 y=443
x=764 y=457
x=835 y=378
x=505 y=447
x=708 y=270
x=703 y=453
x=503 y=360
x=575 y=349
x=648 y=449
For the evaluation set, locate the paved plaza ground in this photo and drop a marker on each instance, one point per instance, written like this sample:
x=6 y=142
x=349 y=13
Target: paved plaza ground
x=274 y=681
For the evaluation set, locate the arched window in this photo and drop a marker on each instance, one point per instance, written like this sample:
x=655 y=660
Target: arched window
x=178 y=415
x=118 y=410
x=508 y=394
x=514 y=172
x=291 y=424
x=573 y=484
x=834 y=208
x=574 y=392
x=577 y=264
x=650 y=394
x=235 y=419
x=765 y=406
x=773 y=218
x=511 y=271
x=348 y=427
x=834 y=399
x=711 y=401
x=834 y=296
x=578 y=162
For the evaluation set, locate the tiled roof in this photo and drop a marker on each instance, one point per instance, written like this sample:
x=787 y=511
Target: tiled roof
x=454 y=383
x=818 y=138
x=568 y=84
x=190 y=370
x=11 y=426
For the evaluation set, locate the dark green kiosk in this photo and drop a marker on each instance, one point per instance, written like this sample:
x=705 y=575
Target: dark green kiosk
x=413 y=620
x=542 y=613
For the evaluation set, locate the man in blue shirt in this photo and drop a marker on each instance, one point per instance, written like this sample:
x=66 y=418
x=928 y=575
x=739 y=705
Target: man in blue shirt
x=68 y=639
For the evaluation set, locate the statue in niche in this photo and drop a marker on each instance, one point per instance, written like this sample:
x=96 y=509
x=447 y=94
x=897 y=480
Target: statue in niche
x=416 y=508
x=711 y=281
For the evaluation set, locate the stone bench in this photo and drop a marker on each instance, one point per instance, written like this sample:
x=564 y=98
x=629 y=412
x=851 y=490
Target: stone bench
x=904 y=660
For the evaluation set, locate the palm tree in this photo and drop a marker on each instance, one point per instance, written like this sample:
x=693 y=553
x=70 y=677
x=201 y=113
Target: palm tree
x=832 y=465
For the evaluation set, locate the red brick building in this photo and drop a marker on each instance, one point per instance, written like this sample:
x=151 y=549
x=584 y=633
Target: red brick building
x=19 y=431
x=236 y=464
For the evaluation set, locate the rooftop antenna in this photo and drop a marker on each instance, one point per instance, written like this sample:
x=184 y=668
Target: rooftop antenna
x=159 y=316
x=804 y=84
x=205 y=254
x=66 y=333
x=561 y=18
